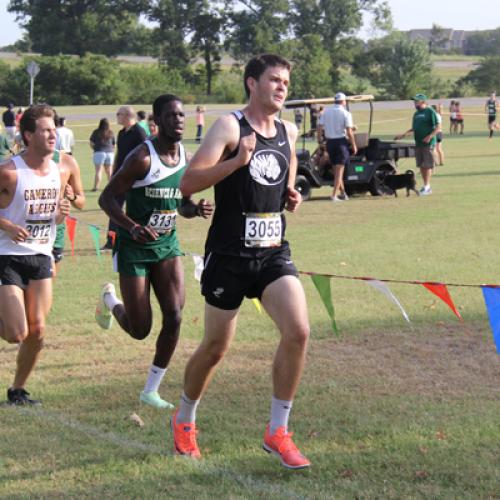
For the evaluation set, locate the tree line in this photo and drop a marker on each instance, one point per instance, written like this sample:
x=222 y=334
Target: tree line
x=189 y=37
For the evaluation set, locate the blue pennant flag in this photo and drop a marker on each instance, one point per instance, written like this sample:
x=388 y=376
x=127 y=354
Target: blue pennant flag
x=492 y=300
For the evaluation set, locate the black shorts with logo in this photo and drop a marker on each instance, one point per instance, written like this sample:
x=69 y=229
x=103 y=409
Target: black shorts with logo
x=227 y=279
x=19 y=270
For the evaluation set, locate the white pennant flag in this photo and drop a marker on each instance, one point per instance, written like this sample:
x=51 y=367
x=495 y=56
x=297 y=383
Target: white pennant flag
x=382 y=287
x=198 y=266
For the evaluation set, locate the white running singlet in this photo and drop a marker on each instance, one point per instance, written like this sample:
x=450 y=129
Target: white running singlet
x=33 y=207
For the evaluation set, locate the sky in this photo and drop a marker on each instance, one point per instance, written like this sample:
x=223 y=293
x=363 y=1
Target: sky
x=475 y=15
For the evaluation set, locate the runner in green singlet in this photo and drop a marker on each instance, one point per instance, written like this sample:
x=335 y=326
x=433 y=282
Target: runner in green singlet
x=147 y=252
x=73 y=191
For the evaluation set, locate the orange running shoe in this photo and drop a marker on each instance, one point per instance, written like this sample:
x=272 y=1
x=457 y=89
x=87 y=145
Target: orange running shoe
x=281 y=445
x=184 y=438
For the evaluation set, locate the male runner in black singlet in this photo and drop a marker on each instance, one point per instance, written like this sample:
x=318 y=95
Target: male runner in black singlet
x=491 y=108
x=249 y=157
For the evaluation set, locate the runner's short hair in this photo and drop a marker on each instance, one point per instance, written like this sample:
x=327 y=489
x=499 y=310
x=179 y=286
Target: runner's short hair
x=31 y=115
x=258 y=64
x=161 y=100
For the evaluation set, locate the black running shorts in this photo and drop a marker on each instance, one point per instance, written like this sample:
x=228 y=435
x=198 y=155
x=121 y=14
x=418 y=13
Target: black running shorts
x=226 y=280
x=19 y=270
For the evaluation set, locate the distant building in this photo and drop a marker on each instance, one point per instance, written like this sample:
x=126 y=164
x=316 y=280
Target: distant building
x=449 y=39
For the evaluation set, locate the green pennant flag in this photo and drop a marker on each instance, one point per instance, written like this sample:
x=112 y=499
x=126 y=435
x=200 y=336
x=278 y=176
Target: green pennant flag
x=94 y=232
x=322 y=284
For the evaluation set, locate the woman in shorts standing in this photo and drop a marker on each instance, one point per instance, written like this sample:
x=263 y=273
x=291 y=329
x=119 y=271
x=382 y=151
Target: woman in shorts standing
x=102 y=141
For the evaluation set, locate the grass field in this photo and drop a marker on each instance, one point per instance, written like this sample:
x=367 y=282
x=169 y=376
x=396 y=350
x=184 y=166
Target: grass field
x=386 y=410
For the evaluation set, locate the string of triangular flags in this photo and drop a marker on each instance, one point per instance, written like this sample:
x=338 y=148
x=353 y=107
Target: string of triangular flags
x=322 y=283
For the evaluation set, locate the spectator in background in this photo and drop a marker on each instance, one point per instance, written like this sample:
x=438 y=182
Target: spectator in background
x=65 y=140
x=313 y=115
x=459 y=118
x=9 y=122
x=439 y=136
x=424 y=128
x=297 y=115
x=129 y=137
x=5 y=149
x=453 y=117
x=19 y=115
x=491 y=107
x=102 y=141
x=338 y=129
x=200 y=122
x=141 y=120
x=153 y=128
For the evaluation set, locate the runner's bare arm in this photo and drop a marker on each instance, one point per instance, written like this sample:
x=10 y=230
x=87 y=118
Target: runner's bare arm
x=63 y=209
x=8 y=182
x=73 y=189
x=294 y=197
x=135 y=167
x=209 y=166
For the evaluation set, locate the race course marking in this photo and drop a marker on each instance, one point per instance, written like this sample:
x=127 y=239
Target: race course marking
x=216 y=470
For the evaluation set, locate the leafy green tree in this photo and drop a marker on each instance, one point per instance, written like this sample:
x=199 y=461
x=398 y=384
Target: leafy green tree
x=66 y=80
x=486 y=77
x=79 y=26
x=399 y=67
x=311 y=69
x=173 y=18
x=255 y=27
x=336 y=22
x=144 y=83
x=438 y=39
x=207 y=27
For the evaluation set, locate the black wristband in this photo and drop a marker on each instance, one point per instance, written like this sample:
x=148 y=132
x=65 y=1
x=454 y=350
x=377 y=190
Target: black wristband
x=132 y=229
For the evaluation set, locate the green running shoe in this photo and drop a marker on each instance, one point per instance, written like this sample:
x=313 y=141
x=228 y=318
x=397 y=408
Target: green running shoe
x=103 y=315
x=153 y=399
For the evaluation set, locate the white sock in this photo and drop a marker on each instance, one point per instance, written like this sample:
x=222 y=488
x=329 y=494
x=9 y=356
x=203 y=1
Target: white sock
x=280 y=412
x=111 y=300
x=187 y=409
x=154 y=379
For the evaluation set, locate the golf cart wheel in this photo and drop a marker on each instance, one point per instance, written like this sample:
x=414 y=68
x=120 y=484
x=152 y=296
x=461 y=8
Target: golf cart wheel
x=377 y=185
x=303 y=186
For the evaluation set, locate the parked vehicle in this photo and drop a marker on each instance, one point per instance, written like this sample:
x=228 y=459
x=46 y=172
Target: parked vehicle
x=367 y=170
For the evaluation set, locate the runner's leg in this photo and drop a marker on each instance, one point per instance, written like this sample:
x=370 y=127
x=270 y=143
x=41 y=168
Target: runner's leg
x=134 y=315
x=167 y=279
x=285 y=302
x=38 y=300
x=220 y=327
x=13 y=324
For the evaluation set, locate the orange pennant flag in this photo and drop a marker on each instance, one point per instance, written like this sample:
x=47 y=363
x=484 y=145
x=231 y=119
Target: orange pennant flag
x=441 y=291
x=71 y=225
x=112 y=235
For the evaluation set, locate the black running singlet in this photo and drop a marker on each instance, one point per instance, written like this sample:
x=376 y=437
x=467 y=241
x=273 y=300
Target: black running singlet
x=248 y=220
x=492 y=107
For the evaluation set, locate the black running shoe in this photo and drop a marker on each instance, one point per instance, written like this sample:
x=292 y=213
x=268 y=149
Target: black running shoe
x=19 y=397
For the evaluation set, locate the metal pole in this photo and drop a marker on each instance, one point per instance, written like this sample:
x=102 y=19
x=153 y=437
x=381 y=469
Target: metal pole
x=32 y=81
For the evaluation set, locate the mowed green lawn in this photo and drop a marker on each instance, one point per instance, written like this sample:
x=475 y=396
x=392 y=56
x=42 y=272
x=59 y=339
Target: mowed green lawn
x=387 y=410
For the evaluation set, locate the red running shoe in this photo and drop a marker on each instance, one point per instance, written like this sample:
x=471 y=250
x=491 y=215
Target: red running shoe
x=281 y=445
x=184 y=438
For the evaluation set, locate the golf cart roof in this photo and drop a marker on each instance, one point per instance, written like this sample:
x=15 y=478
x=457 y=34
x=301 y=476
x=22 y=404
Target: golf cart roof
x=299 y=103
